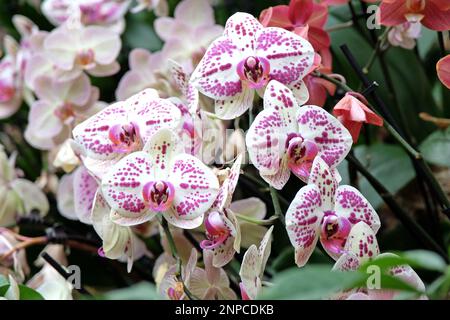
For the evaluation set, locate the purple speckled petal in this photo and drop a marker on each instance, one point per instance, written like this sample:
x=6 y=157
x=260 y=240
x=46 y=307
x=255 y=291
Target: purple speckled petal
x=277 y=96
x=279 y=178
x=266 y=141
x=196 y=187
x=300 y=91
x=332 y=138
x=350 y=203
x=223 y=199
x=242 y=28
x=122 y=186
x=85 y=187
x=303 y=219
x=347 y=262
x=362 y=243
x=188 y=90
x=161 y=149
x=235 y=106
x=323 y=178
x=216 y=75
x=291 y=57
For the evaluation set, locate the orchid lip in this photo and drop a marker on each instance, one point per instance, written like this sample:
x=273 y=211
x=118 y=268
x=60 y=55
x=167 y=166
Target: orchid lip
x=301 y=154
x=159 y=195
x=334 y=232
x=217 y=231
x=254 y=71
x=125 y=138
x=85 y=57
x=176 y=292
x=6 y=92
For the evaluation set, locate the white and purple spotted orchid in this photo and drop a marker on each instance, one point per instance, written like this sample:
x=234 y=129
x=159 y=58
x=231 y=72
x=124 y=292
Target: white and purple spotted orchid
x=119 y=242
x=286 y=137
x=160 y=180
x=253 y=265
x=246 y=58
x=322 y=210
x=122 y=128
x=222 y=228
x=75 y=195
x=361 y=247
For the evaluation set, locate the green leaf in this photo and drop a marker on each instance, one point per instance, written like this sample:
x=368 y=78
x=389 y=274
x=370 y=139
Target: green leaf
x=140 y=291
x=436 y=148
x=311 y=282
x=26 y=293
x=388 y=163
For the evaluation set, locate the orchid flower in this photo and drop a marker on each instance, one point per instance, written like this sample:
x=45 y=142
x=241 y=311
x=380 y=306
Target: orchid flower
x=122 y=128
x=210 y=283
x=404 y=35
x=16 y=264
x=245 y=59
x=75 y=195
x=160 y=180
x=59 y=105
x=93 y=49
x=433 y=14
x=443 y=70
x=10 y=85
x=322 y=210
x=109 y=13
x=170 y=287
x=189 y=33
x=222 y=228
x=252 y=267
x=352 y=111
x=119 y=242
x=285 y=137
x=66 y=158
x=48 y=282
x=18 y=196
x=361 y=247
x=159 y=7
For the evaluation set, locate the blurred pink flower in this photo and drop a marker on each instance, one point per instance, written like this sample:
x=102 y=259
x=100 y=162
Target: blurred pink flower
x=159 y=7
x=404 y=35
x=245 y=59
x=58 y=107
x=443 y=70
x=286 y=138
x=10 y=82
x=189 y=33
x=108 y=13
x=322 y=210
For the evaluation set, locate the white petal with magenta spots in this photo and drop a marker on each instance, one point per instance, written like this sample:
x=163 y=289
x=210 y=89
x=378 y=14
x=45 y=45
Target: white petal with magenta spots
x=322 y=176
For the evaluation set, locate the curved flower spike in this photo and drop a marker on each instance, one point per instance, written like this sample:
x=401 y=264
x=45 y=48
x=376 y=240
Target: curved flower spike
x=321 y=210
x=286 y=137
x=121 y=128
x=252 y=267
x=160 y=180
x=245 y=59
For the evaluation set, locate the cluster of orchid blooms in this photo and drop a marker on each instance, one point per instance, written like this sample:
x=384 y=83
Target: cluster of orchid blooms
x=147 y=159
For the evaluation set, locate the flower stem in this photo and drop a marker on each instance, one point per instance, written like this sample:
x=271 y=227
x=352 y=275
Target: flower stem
x=276 y=205
x=266 y=222
x=176 y=256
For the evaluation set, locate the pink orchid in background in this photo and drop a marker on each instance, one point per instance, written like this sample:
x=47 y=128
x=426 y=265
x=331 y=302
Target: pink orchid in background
x=10 y=82
x=285 y=137
x=405 y=35
x=66 y=158
x=253 y=266
x=16 y=264
x=159 y=7
x=18 y=196
x=361 y=247
x=210 y=283
x=245 y=59
x=119 y=242
x=108 y=13
x=123 y=127
x=147 y=70
x=433 y=14
x=340 y=2
x=75 y=195
x=93 y=49
x=223 y=236
x=301 y=17
x=160 y=180
x=352 y=111
x=59 y=105
x=189 y=33
x=322 y=210
x=320 y=88
x=443 y=70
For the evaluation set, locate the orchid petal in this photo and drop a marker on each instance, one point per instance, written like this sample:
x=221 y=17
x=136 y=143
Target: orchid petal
x=242 y=28
x=279 y=179
x=235 y=106
x=249 y=272
x=322 y=176
x=85 y=187
x=223 y=199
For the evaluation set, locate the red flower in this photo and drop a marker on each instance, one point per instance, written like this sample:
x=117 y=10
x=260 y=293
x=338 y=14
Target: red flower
x=352 y=111
x=443 y=70
x=433 y=14
x=297 y=16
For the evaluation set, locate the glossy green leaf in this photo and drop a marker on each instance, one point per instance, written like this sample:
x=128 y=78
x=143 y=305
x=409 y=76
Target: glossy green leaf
x=140 y=291
x=436 y=148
